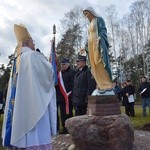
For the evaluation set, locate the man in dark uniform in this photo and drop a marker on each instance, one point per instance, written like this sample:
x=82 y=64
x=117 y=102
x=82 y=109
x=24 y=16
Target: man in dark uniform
x=84 y=85
x=66 y=75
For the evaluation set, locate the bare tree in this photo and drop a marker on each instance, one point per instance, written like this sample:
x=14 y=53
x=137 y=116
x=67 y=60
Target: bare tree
x=113 y=24
x=140 y=12
x=72 y=18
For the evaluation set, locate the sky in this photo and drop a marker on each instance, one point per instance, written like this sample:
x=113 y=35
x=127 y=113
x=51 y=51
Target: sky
x=39 y=16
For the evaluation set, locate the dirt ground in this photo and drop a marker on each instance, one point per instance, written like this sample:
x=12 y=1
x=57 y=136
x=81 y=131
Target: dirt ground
x=141 y=142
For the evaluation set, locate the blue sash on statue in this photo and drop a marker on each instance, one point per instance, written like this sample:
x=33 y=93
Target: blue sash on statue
x=11 y=106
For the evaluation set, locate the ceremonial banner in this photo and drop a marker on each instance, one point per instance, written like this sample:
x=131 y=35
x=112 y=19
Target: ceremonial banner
x=9 y=116
x=53 y=61
x=63 y=91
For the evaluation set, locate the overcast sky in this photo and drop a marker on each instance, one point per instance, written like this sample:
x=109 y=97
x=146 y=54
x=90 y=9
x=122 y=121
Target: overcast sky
x=39 y=16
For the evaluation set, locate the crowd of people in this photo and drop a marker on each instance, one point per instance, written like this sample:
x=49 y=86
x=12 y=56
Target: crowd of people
x=77 y=85
x=126 y=94
x=82 y=84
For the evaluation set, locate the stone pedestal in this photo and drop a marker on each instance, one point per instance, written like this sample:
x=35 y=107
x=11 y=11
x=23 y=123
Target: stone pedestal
x=103 y=128
x=103 y=105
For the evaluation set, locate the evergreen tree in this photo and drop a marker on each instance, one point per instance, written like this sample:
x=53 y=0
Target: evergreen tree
x=5 y=73
x=67 y=46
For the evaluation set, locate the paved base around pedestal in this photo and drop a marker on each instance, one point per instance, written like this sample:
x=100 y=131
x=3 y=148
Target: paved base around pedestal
x=141 y=142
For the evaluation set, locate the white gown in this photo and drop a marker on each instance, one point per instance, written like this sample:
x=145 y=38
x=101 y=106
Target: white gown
x=34 y=115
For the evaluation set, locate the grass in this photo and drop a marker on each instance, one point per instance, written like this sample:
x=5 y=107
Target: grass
x=138 y=121
x=1 y=121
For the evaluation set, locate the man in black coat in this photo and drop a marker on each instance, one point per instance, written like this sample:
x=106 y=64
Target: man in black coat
x=129 y=92
x=67 y=75
x=144 y=90
x=84 y=85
